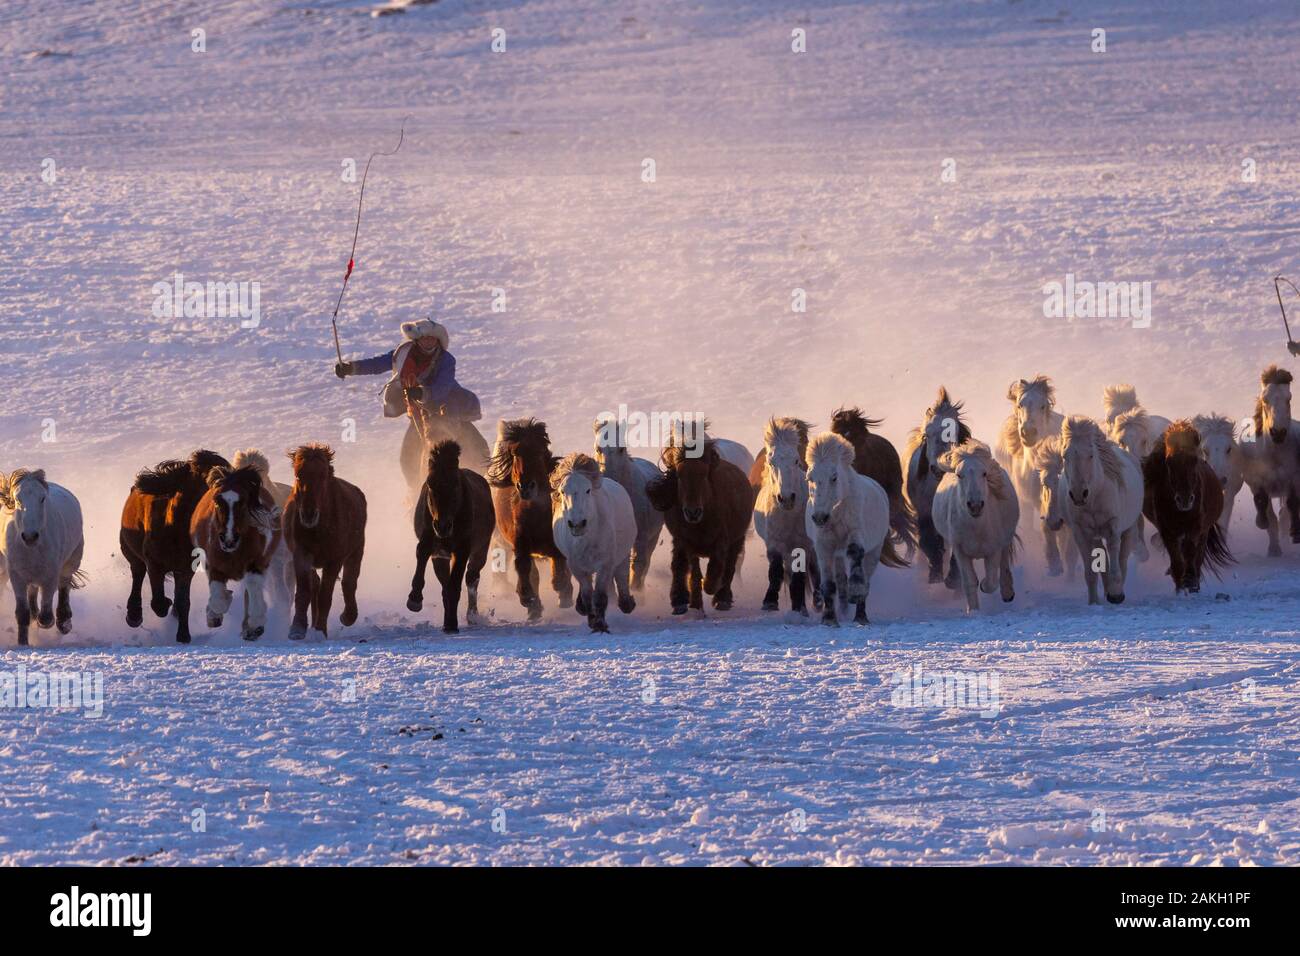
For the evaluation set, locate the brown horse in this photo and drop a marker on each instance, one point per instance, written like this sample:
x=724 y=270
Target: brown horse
x=520 y=475
x=453 y=526
x=707 y=505
x=237 y=525
x=325 y=528
x=875 y=457
x=155 y=535
x=1183 y=499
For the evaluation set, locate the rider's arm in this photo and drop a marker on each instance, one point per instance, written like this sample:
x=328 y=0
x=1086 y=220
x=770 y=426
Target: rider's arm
x=438 y=381
x=377 y=365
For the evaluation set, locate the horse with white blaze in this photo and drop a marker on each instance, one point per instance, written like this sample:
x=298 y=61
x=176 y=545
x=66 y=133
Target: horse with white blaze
x=594 y=528
x=41 y=544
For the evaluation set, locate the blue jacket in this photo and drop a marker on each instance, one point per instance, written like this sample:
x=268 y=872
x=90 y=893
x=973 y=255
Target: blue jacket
x=438 y=383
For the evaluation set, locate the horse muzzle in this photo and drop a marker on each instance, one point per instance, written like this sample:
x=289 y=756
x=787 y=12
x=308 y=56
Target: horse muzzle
x=442 y=529
x=577 y=528
x=309 y=520
x=1184 y=504
x=1277 y=434
x=31 y=537
x=786 y=503
x=526 y=489
x=1054 y=524
x=1079 y=500
x=692 y=515
x=228 y=545
x=1029 y=435
x=976 y=508
x=820 y=519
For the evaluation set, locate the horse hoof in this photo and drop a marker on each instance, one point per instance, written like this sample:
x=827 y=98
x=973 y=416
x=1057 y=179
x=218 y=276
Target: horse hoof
x=627 y=605
x=830 y=621
x=1008 y=597
x=413 y=604
x=182 y=638
x=771 y=605
x=214 y=620
x=580 y=606
x=134 y=618
x=254 y=634
x=679 y=608
x=598 y=627
x=160 y=608
x=298 y=632
x=534 y=614
x=1115 y=598
x=1274 y=551
x=348 y=617
x=64 y=625
x=1055 y=572
x=722 y=605
x=45 y=621
x=566 y=600
x=450 y=629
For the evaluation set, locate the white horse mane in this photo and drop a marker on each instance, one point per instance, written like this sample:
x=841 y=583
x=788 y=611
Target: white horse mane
x=1135 y=419
x=252 y=458
x=9 y=486
x=1118 y=399
x=789 y=433
x=969 y=449
x=583 y=464
x=830 y=447
x=1215 y=424
x=1081 y=429
x=1041 y=384
x=943 y=407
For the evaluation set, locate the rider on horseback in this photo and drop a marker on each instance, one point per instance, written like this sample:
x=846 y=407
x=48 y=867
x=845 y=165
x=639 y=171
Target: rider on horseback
x=423 y=383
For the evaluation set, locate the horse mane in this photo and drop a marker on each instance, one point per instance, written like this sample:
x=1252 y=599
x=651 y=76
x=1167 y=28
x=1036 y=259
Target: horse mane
x=789 y=432
x=1215 y=424
x=1047 y=454
x=954 y=456
x=1118 y=399
x=169 y=477
x=318 y=451
x=510 y=435
x=1135 y=417
x=1181 y=437
x=444 y=458
x=1275 y=376
x=1040 y=383
x=853 y=424
x=577 y=461
x=831 y=447
x=1010 y=438
x=8 y=486
x=1080 y=428
x=672 y=457
x=253 y=458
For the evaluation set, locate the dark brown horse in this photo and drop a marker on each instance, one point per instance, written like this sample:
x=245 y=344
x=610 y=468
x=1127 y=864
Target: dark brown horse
x=520 y=475
x=875 y=457
x=1183 y=499
x=453 y=526
x=237 y=525
x=325 y=529
x=155 y=535
x=707 y=505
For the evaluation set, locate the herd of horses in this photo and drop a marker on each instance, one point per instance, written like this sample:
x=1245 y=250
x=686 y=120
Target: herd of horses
x=829 y=510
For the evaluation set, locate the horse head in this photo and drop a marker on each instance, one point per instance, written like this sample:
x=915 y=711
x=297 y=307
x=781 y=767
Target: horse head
x=1131 y=430
x=694 y=478
x=1218 y=447
x=1032 y=403
x=1273 y=408
x=1181 y=450
x=522 y=458
x=237 y=504
x=829 y=474
x=973 y=465
x=1049 y=464
x=443 y=493
x=313 y=471
x=943 y=429
x=572 y=482
x=25 y=492
x=1081 y=451
x=611 y=450
x=785 y=446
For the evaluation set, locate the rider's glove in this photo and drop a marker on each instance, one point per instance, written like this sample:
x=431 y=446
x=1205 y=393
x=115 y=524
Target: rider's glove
x=343 y=369
x=414 y=393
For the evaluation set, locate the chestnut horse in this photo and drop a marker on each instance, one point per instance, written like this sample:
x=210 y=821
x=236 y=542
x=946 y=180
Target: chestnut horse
x=707 y=504
x=453 y=526
x=155 y=535
x=520 y=475
x=1183 y=499
x=237 y=525
x=875 y=457
x=325 y=528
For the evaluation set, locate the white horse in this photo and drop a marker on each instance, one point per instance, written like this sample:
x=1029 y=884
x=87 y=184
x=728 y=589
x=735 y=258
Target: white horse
x=1101 y=490
x=779 y=513
x=594 y=528
x=1033 y=418
x=847 y=519
x=695 y=432
x=976 y=512
x=281 y=570
x=1138 y=433
x=41 y=543
x=941 y=430
x=617 y=464
x=1270 y=453
x=1118 y=400
x=1050 y=465
x=1219 y=447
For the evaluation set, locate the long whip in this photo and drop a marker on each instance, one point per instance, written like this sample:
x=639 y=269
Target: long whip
x=334 y=320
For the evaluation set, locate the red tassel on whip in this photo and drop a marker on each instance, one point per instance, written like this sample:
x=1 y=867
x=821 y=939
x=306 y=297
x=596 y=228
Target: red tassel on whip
x=334 y=321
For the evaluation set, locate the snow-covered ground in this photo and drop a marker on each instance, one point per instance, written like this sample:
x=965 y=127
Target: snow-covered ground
x=1161 y=731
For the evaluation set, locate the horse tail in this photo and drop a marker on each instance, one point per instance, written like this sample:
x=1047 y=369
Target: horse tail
x=890 y=557
x=78 y=580
x=1217 y=554
x=902 y=522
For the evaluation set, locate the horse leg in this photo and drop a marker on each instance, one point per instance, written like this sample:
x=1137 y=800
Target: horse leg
x=562 y=580
x=415 y=600
x=598 y=598
x=351 y=575
x=953 y=580
x=1141 y=544
x=525 y=586
x=697 y=584
x=869 y=563
x=1118 y=548
x=798 y=590
x=1055 y=568
x=63 y=612
x=641 y=552
x=134 y=600
x=473 y=571
x=815 y=578
x=931 y=546
x=1267 y=521
x=219 y=597
x=329 y=576
x=723 y=599
x=304 y=586
x=775 y=578
x=157 y=594
x=1084 y=545
x=678 y=594
x=991 y=572
x=1193 y=554
x=254 y=605
x=1293 y=511
x=825 y=561
x=970 y=580
x=451 y=575
x=623 y=586
x=22 y=609
x=45 y=617
x=1007 y=580
x=182 y=581
x=410 y=456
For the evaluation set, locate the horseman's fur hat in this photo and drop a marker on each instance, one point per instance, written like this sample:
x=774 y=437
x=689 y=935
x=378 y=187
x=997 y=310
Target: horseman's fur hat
x=413 y=331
